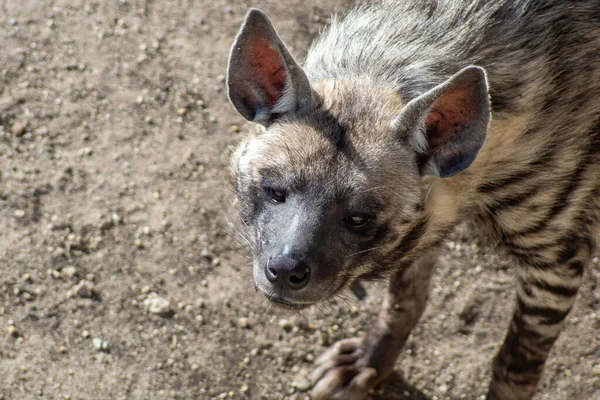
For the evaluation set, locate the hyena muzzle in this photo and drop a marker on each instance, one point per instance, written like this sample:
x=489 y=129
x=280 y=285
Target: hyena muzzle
x=363 y=161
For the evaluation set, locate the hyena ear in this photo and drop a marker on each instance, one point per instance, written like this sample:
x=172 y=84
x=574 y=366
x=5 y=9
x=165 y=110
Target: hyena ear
x=263 y=79
x=448 y=125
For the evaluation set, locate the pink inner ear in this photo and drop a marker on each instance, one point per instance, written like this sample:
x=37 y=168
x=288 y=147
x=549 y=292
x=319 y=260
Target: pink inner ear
x=268 y=68
x=449 y=115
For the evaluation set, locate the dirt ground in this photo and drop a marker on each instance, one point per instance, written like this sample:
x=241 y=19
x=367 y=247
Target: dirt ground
x=121 y=276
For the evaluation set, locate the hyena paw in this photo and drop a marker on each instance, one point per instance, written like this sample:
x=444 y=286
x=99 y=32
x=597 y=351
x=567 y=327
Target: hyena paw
x=342 y=373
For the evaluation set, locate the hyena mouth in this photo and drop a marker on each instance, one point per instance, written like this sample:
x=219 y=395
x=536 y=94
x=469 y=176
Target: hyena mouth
x=286 y=304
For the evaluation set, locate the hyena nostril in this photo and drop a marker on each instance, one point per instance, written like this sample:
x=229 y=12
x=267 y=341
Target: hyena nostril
x=270 y=272
x=299 y=279
x=288 y=272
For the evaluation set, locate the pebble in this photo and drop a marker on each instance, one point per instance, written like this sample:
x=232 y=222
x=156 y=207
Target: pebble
x=97 y=343
x=18 y=128
x=157 y=305
x=19 y=213
x=301 y=383
x=206 y=254
x=69 y=272
x=100 y=344
x=243 y=323
x=84 y=289
x=62 y=349
x=285 y=325
x=12 y=331
x=596 y=370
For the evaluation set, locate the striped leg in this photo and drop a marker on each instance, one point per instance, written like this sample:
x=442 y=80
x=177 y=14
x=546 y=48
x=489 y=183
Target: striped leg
x=352 y=367
x=544 y=298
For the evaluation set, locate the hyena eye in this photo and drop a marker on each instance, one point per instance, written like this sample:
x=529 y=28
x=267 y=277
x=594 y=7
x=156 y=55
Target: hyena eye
x=356 y=221
x=275 y=195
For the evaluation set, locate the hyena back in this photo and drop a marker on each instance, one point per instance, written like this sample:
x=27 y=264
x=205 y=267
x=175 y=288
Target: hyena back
x=364 y=160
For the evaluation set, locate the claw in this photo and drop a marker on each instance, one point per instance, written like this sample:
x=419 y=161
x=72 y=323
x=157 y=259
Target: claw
x=340 y=375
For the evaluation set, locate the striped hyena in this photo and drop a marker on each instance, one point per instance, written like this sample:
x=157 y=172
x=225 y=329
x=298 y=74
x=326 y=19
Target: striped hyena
x=362 y=162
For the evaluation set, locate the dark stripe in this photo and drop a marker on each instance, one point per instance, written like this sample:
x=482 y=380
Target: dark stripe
x=549 y=316
x=571 y=246
x=531 y=169
x=512 y=201
x=535 y=248
x=412 y=237
x=559 y=290
x=561 y=202
x=577 y=267
x=532 y=260
x=521 y=366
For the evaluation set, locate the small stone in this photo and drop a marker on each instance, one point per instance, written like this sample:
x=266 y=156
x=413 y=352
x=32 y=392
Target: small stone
x=12 y=331
x=84 y=289
x=85 y=334
x=101 y=345
x=234 y=128
x=443 y=389
x=69 y=272
x=86 y=151
x=301 y=384
x=62 y=349
x=19 y=213
x=285 y=324
x=206 y=254
x=157 y=305
x=182 y=111
x=97 y=343
x=244 y=388
x=596 y=370
x=18 y=128
x=243 y=323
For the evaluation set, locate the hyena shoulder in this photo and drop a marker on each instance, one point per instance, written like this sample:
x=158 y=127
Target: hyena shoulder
x=539 y=166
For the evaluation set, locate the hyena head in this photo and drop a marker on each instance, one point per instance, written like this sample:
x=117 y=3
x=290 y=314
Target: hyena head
x=330 y=181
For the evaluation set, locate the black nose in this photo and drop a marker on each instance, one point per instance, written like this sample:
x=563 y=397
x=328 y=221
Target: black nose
x=287 y=271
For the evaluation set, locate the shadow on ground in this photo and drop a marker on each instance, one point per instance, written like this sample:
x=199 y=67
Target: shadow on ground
x=397 y=388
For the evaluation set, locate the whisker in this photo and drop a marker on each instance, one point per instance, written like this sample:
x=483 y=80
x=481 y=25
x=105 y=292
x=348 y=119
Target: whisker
x=363 y=251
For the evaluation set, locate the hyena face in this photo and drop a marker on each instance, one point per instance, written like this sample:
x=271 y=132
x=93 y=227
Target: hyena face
x=317 y=197
x=330 y=181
